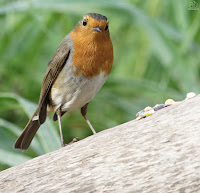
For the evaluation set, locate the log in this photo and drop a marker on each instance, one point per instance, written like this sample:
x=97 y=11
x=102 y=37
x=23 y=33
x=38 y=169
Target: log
x=160 y=153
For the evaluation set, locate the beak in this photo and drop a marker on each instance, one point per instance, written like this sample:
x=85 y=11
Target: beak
x=97 y=28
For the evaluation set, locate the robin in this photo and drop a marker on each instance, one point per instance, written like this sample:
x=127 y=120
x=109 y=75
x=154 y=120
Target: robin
x=77 y=71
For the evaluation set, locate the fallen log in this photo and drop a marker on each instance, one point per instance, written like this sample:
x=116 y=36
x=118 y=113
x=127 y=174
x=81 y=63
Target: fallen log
x=160 y=153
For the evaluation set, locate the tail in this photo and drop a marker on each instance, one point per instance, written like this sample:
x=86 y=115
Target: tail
x=24 y=140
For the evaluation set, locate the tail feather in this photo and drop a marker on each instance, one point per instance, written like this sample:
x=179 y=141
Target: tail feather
x=27 y=135
x=24 y=140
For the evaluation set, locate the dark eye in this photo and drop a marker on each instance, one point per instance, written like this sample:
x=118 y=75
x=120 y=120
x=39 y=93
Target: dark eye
x=84 y=22
x=106 y=28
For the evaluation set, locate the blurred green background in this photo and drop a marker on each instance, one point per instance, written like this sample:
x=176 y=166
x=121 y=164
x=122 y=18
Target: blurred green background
x=156 y=56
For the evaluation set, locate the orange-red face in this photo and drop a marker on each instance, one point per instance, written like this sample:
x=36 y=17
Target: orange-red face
x=93 y=47
x=95 y=27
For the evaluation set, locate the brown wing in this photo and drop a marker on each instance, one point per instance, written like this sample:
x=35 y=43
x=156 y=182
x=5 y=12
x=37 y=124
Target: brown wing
x=54 y=68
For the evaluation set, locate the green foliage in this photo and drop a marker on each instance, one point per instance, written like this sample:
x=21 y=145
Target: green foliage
x=47 y=139
x=156 y=49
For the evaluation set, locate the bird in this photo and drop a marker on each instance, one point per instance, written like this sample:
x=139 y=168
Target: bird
x=77 y=71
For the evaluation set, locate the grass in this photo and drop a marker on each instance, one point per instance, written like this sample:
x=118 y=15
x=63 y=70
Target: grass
x=156 y=49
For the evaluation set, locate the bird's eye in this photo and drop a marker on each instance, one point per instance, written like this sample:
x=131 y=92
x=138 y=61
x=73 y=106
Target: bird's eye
x=84 y=22
x=106 y=28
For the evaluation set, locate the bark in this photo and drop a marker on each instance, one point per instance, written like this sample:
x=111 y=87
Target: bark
x=160 y=153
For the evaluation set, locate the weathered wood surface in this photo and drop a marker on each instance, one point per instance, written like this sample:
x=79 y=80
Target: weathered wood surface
x=160 y=153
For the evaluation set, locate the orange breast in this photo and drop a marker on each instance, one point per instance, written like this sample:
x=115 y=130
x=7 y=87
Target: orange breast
x=93 y=53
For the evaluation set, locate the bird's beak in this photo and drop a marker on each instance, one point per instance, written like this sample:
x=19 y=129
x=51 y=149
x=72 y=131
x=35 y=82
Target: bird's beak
x=97 y=28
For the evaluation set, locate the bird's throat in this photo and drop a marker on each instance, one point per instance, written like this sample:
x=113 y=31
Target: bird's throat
x=93 y=54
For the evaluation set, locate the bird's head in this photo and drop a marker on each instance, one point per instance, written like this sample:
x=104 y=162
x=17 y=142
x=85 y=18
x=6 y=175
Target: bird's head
x=93 y=25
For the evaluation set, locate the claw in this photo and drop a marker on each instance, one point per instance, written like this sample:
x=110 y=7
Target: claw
x=76 y=139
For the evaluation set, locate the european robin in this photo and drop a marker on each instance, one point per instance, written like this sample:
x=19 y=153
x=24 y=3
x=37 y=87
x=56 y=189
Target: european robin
x=77 y=71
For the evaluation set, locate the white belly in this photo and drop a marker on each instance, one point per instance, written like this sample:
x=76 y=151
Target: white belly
x=75 y=91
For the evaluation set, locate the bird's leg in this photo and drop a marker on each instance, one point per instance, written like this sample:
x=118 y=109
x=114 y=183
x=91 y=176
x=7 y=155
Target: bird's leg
x=84 y=112
x=58 y=112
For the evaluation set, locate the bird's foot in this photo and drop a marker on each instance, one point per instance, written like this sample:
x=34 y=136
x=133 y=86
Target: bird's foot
x=63 y=144
x=76 y=139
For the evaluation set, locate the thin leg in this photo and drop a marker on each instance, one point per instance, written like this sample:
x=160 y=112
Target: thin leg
x=58 y=112
x=84 y=112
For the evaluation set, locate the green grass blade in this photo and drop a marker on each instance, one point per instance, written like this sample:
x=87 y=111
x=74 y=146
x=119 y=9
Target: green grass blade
x=12 y=159
x=48 y=137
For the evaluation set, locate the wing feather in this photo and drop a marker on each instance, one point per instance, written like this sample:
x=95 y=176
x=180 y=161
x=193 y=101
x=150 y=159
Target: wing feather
x=54 y=68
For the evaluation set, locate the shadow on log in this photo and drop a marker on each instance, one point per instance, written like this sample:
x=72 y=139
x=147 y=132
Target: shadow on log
x=160 y=153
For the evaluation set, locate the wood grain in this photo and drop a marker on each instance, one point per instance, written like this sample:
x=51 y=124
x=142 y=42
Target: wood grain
x=160 y=153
